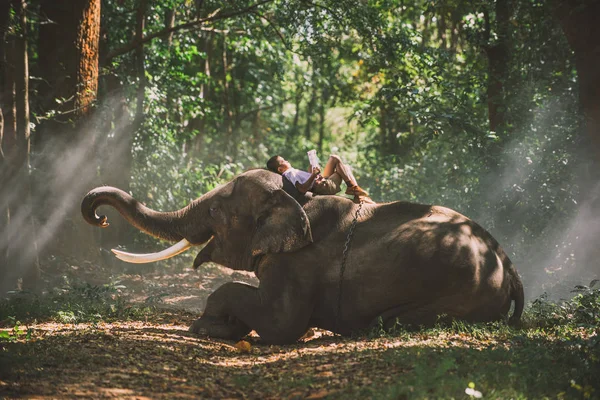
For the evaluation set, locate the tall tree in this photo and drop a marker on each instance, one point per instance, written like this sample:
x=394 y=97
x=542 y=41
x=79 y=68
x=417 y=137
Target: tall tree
x=497 y=51
x=68 y=51
x=579 y=21
x=18 y=246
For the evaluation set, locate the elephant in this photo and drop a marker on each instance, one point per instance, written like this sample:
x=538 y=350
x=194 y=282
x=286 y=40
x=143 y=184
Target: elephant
x=403 y=262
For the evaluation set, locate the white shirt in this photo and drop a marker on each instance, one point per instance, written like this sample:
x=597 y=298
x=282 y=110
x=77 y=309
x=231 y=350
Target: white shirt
x=296 y=175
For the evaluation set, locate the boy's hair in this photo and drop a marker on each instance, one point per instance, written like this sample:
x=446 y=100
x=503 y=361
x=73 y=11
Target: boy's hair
x=272 y=164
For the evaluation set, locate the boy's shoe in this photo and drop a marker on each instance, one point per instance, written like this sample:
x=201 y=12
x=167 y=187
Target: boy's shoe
x=363 y=199
x=356 y=191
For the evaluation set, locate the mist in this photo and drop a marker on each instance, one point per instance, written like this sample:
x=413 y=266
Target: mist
x=44 y=195
x=542 y=204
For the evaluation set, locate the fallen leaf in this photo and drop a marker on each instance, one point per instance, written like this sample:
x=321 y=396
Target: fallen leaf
x=324 y=367
x=243 y=346
x=320 y=394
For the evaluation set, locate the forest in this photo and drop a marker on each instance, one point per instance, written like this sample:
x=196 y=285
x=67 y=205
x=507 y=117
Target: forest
x=488 y=107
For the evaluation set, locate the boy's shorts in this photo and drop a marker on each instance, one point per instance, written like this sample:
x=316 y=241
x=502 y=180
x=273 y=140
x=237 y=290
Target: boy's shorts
x=327 y=186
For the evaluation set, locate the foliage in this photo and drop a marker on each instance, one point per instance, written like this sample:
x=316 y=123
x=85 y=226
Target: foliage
x=583 y=310
x=17 y=331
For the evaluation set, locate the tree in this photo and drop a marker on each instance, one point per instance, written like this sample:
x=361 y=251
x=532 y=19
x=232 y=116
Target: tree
x=68 y=64
x=18 y=246
x=497 y=52
x=579 y=21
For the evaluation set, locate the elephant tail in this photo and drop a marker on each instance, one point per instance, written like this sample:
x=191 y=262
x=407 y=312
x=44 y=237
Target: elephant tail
x=516 y=294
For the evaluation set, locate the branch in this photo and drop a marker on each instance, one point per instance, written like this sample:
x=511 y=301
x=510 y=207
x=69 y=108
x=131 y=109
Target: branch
x=273 y=26
x=166 y=31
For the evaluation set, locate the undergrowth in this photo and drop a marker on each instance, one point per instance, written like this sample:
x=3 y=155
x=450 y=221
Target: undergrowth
x=554 y=353
x=77 y=303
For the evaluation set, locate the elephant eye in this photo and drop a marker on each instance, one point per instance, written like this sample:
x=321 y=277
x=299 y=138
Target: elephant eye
x=214 y=210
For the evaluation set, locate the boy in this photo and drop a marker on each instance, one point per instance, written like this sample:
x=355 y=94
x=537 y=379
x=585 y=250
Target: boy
x=327 y=183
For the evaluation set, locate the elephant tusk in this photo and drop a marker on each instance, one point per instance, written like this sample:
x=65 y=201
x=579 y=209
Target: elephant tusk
x=172 y=251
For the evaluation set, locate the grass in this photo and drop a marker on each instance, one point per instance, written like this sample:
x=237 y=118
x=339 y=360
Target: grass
x=71 y=304
x=89 y=341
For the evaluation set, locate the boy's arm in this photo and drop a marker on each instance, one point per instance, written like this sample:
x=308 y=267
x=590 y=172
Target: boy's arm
x=304 y=187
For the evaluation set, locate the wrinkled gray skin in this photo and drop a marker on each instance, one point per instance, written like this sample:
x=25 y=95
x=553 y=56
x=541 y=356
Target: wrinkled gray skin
x=407 y=261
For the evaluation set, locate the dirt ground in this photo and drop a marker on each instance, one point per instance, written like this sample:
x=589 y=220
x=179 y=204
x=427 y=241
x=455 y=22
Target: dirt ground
x=151 y=355
x=157 y=357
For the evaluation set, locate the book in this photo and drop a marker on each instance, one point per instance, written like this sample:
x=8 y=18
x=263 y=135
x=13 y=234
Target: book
x=312 y=158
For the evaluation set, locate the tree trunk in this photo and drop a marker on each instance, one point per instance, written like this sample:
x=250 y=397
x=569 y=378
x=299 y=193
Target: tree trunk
x=497 y=54
x=309 y=110
x=8 y=142
x=324 y=98
x=169 y=23
x=28 y=251
x=226 y=96
x=139 y=65
x=68 y=52
x=297 y=100
x=240 y=87
x=71 y=71
x=19 y=246
x=383 y=127
x=198 y=123
x=579 y=21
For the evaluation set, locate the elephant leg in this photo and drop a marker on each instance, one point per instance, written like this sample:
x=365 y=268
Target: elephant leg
x=223 y=327
x=236 y=308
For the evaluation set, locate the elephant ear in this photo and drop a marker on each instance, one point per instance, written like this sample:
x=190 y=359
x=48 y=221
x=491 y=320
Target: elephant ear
x=281 y=226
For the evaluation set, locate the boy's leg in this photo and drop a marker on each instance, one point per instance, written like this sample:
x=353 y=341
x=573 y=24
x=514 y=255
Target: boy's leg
x=335 y=164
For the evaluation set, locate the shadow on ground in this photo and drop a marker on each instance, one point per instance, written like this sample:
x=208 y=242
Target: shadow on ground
x=151 y=354
x=148 y=360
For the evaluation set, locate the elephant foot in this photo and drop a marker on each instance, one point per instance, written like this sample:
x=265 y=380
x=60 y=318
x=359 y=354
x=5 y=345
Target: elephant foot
x=220 y=327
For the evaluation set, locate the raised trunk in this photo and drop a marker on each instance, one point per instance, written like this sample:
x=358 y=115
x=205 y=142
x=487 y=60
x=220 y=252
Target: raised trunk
x=172 y=226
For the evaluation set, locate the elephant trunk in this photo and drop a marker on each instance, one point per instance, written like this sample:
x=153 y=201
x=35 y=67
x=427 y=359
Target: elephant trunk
x=163 y=225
